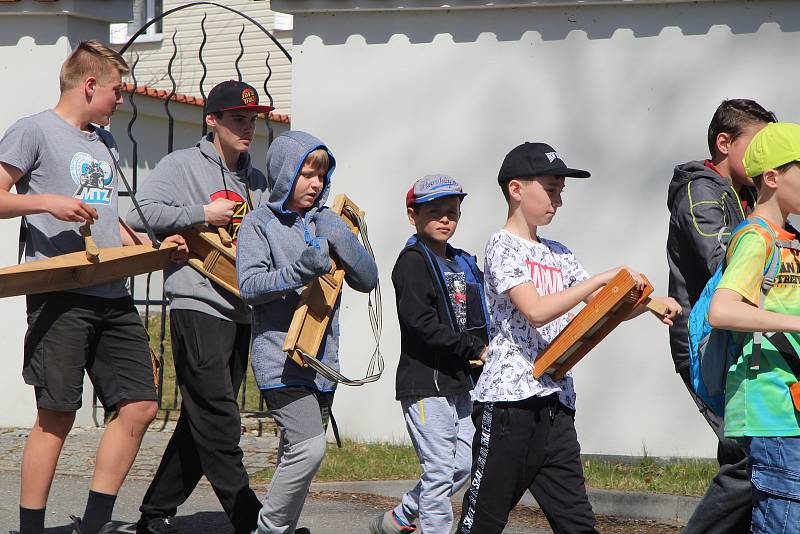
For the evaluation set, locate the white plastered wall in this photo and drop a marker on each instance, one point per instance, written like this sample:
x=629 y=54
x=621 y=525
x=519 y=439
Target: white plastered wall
x=625 y=91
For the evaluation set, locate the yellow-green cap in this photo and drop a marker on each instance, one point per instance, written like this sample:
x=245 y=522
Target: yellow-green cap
x=775 y=145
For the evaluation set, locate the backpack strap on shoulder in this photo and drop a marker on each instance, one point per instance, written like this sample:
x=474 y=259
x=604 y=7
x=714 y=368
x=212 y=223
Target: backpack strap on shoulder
x=770 y=273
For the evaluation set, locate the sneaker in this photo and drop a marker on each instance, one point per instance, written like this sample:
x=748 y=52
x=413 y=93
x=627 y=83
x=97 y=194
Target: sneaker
x=387 y=524
x=157 y=525
x=108 y=528
x=302 y=530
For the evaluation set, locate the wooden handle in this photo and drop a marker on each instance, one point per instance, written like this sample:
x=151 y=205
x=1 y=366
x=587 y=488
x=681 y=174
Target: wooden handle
x=92 y=252
x=657 y=307
x=224 y=236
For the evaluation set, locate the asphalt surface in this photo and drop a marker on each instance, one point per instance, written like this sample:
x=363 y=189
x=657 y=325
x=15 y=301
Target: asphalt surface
x=344 y=507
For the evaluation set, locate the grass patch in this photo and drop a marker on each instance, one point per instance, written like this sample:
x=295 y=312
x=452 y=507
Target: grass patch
x=679 y=477
x=382 y=461
x=363 y=461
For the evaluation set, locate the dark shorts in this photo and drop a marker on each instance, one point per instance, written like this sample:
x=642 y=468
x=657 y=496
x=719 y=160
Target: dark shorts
x=68 y=333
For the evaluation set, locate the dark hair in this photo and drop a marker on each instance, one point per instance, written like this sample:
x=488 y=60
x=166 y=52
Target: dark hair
x=732 y=116
x=757 y=180
x=504 y=185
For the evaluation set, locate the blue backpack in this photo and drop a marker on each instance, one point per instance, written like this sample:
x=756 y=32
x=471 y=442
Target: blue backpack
x=713 y=351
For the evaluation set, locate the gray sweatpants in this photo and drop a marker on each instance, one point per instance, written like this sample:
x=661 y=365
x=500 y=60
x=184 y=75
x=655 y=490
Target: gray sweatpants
x=301 y=416
x=441 y=430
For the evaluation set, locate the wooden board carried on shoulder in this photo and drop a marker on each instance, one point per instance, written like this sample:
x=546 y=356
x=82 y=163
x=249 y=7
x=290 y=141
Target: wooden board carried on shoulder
x=314 y=311
x=594 y=322
x=213 y=254
x=82 y=269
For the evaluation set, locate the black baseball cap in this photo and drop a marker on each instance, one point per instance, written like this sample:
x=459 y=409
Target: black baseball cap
x=535 y=159
x=230 y=95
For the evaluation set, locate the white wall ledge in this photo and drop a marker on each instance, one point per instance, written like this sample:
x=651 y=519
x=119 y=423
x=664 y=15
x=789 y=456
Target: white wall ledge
x=105 y=10
x=331 y=6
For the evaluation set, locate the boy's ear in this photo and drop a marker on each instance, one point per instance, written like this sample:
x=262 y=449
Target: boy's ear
x=514 y=189
x=770 y=179
x=211 y=120
x=723 y=143
x=89 y=85
x=412 y=216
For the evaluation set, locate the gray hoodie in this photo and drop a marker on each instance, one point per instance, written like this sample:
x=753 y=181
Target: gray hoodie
x=172 y=199
x=273 y=265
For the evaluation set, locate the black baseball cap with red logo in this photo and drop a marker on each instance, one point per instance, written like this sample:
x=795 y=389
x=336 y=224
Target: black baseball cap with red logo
x=230 y=95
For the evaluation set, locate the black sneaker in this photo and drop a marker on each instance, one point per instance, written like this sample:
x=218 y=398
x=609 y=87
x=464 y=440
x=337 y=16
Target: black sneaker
x=302 y=530
x=108 y=528
x=157 y=525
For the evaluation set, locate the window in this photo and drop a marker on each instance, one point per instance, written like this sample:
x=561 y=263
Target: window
x=143 y=12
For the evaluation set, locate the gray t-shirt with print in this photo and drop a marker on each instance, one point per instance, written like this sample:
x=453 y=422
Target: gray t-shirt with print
x=57 y=158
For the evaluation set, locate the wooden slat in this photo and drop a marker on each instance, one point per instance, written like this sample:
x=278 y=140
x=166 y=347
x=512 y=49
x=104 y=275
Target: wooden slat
x=314 y=311
x=593 y=323
x=75 y=270
x=212 y=258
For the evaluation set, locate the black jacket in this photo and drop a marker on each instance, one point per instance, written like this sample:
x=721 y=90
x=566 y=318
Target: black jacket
x=434 y=354
x=704 y=208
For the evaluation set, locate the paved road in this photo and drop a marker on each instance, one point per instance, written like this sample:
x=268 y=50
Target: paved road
x=330 y=508
x=324 y=512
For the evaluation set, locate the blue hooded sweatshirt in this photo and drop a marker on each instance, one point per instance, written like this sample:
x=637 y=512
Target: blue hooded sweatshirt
x=271 y=241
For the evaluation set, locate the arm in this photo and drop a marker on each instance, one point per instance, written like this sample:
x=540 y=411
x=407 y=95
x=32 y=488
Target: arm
x=15 y=205
x=157 y=198
x=259 y=282
x=701 y=216
x=129 y=238
x=361 y=272
x=542 y=309
x=416 y=309
x=734 y=304
x=730 y=311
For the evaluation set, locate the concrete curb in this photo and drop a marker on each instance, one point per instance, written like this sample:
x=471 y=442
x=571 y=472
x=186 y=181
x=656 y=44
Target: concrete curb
x=672 y=509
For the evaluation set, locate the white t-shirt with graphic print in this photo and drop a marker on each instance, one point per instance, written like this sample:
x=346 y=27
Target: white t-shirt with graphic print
x=514 y=342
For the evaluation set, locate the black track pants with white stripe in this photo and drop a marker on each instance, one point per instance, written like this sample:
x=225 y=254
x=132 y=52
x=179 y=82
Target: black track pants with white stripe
x=526 y=445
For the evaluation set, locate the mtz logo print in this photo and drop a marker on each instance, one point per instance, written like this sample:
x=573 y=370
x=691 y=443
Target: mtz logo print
x=93 y=179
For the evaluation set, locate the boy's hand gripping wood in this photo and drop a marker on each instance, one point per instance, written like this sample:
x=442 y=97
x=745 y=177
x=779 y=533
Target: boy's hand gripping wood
x=595 y=321
x=314 y=311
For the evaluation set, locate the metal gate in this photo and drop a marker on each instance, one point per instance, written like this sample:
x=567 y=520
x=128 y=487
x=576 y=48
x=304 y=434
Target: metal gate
x=251 y=404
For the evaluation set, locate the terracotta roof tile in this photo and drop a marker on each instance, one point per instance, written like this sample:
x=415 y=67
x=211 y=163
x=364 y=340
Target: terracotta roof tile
x=191 y=100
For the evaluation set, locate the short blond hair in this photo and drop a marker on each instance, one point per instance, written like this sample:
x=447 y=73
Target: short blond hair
x=319 y=159
x=91 y=58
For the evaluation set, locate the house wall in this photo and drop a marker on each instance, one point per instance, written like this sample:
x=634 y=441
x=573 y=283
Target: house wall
x=220 y=52
x=624 y=90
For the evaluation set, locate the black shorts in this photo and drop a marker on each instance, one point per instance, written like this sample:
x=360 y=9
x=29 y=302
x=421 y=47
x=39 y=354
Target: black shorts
x=68 y=333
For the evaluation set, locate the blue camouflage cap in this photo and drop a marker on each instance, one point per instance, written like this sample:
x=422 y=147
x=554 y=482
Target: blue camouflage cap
x=433 y=186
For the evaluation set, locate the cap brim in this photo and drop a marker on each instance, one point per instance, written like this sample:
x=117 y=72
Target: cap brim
x=434 y=196
x=571 y=173
x=258 y=109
